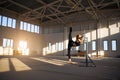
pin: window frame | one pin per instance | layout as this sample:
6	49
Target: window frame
115	45
14	22
10	22
105	49
95	46
28	27
7	43
4	23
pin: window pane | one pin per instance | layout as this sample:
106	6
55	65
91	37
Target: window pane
56	46
93	45
59	46
77	48
14	23
9	22
8	42
49	46
62	46
105	45
0	19
25	26
85	46
4	42
114	45
22	44
36	28
4	21
11	45
28	27
32	28
21	25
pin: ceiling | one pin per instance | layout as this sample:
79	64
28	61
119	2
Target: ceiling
49	10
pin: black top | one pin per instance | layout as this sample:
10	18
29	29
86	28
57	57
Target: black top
77	43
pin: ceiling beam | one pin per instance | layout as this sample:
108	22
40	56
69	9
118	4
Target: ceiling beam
101	1
93	9
42	7
2	2
96	8
5	10
117	2
20	5
27	9
82	7
106	4
87	9
57	17
62	6
56	10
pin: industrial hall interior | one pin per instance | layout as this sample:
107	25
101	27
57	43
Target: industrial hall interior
60	39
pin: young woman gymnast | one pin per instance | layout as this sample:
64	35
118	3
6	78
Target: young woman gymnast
71	43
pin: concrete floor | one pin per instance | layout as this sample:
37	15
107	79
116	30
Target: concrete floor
58	68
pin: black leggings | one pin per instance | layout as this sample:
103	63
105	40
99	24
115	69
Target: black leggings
71	43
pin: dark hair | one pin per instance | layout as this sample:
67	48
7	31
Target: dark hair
77	37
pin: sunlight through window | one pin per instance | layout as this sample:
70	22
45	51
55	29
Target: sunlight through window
56	62
23	48
114	45
18	65
105	45
4	21
93	45
4	65
9	22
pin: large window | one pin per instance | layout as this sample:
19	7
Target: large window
32	28
114	45
93	45
85	46
49	46
7	22
21	25
36	28
7	46
23	47
60	46
29	27
56	46
7	43
25	26
4	21
105	45
14	23
77	48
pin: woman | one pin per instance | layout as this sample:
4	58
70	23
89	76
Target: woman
71	43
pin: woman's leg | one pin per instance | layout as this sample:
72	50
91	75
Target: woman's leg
70	43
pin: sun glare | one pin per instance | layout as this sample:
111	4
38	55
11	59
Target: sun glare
23	48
